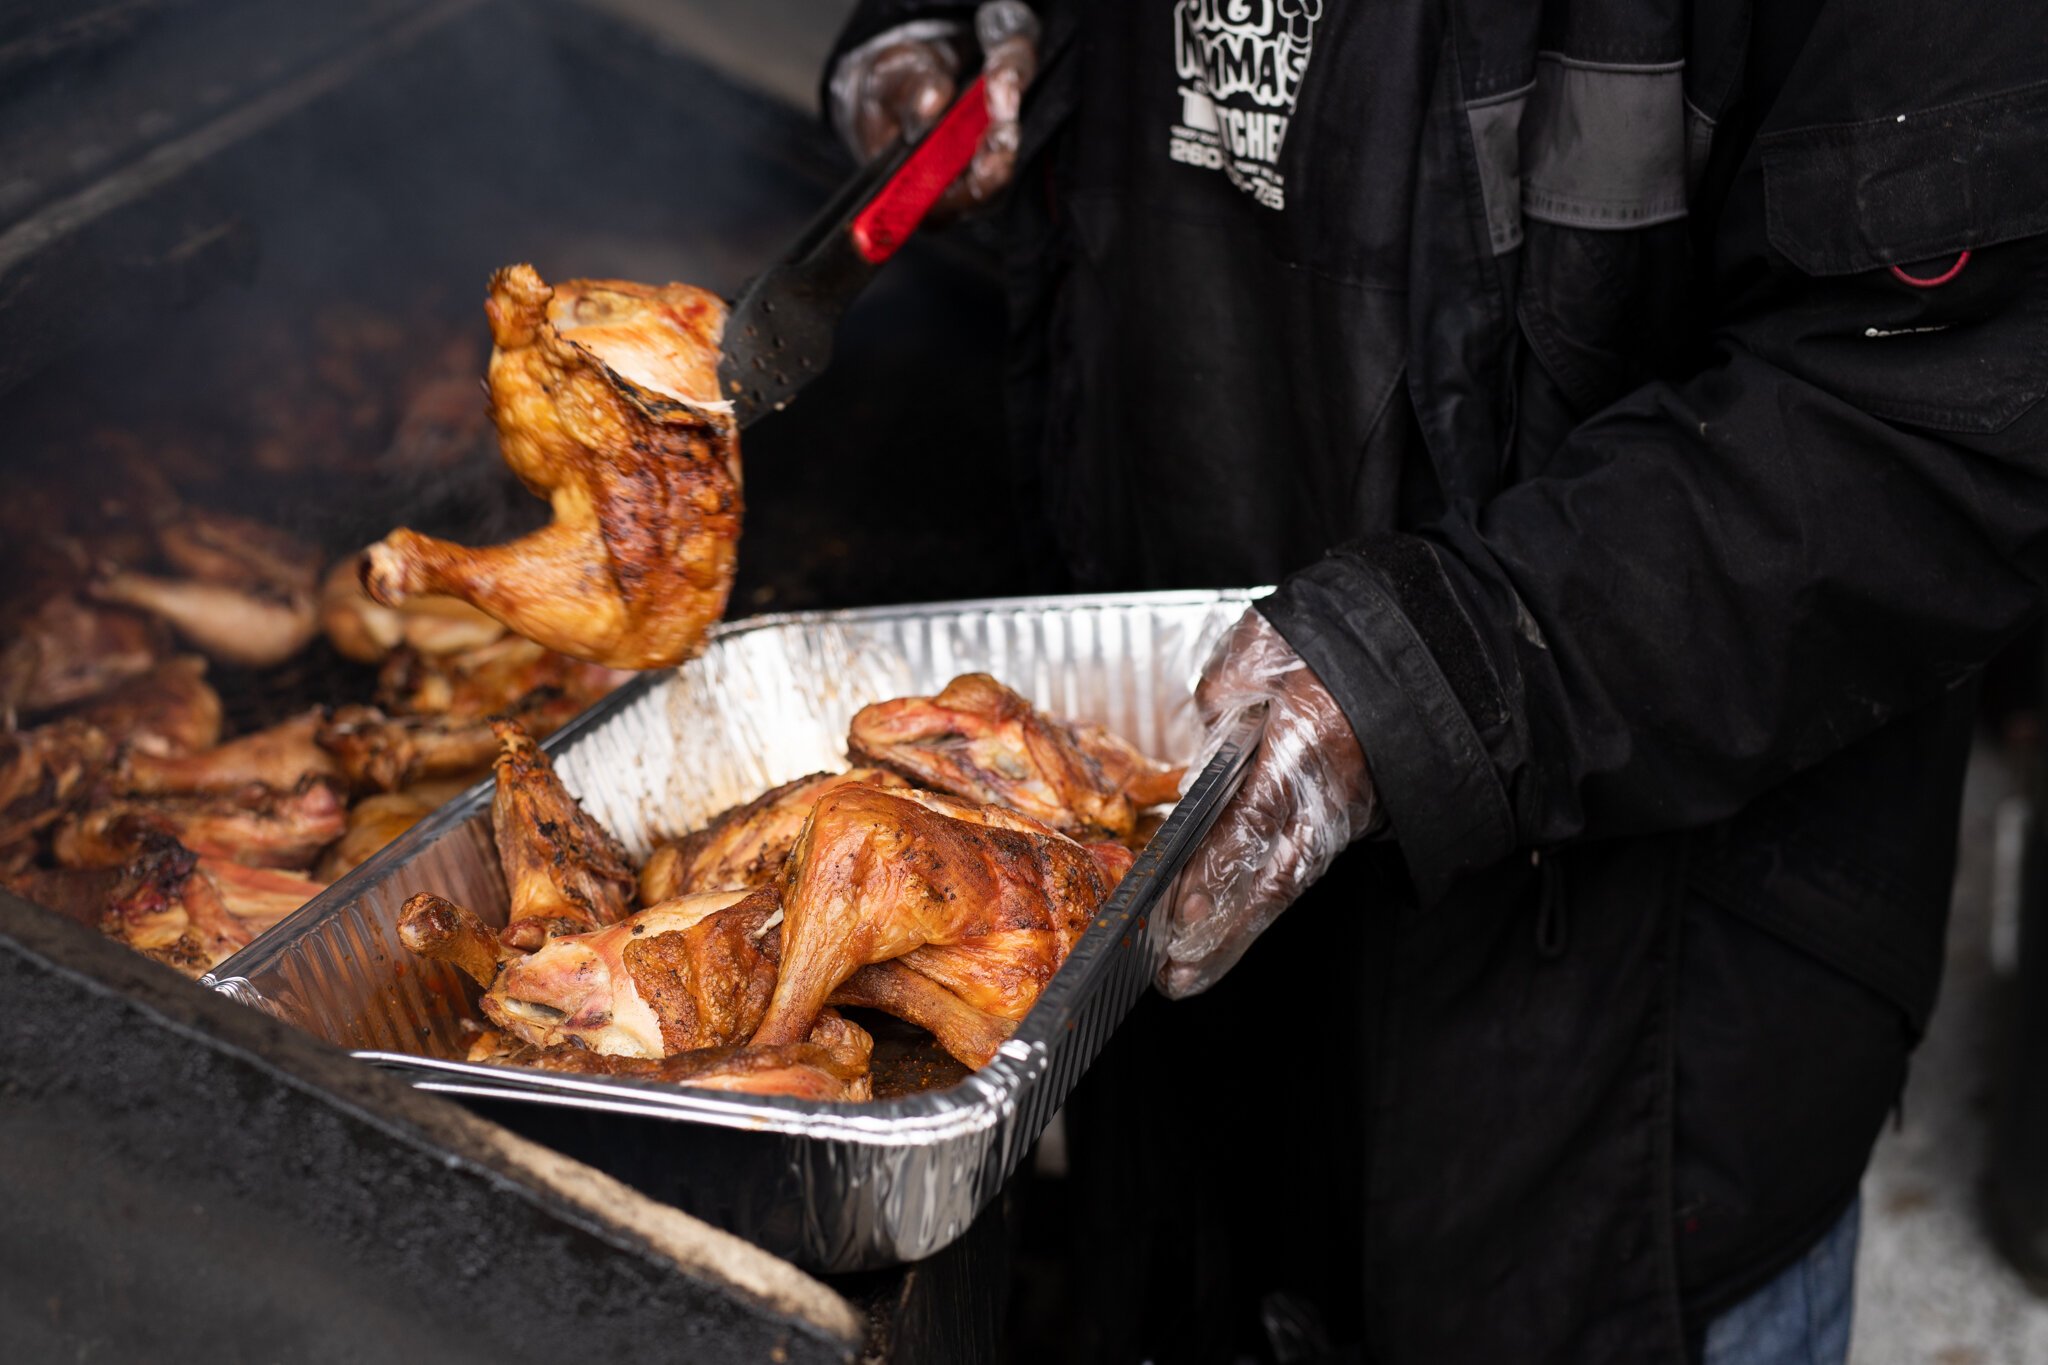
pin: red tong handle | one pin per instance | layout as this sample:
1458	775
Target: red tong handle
885	223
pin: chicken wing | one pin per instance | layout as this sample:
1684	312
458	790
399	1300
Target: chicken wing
280	758
945	990
565	872
980	740
877	875
746	845
606	399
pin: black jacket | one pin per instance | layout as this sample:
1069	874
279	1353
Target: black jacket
1639	406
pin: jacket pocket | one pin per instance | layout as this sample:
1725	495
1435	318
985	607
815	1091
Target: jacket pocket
1925	238
1913	187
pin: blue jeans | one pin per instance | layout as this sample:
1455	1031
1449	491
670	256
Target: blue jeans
1802	1316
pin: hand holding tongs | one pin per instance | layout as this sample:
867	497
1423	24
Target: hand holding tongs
778	336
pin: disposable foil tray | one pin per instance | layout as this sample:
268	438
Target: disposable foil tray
833	1186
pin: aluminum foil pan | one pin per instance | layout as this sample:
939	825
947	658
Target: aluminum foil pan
832	1186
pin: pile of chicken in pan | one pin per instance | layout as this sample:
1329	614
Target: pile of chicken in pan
942	880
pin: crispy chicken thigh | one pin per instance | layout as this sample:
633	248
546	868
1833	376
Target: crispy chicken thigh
980	740
988	900
747	845
606	398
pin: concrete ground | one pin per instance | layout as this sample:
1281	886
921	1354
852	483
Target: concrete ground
1930	1288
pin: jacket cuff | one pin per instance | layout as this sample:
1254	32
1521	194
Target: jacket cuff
1379	626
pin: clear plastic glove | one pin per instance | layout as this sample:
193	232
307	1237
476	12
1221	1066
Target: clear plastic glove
898	83
1306	795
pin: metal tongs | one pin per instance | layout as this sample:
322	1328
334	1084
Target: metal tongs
778	335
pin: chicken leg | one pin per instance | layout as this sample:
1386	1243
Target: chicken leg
880	874
605	394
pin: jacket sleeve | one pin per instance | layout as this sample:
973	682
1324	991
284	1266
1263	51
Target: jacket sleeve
1719	582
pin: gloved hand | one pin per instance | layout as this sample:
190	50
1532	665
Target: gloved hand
1306	795
898	84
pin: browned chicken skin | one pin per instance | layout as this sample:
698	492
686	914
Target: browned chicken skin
281	757
70	650
898	989
189	912
747	845
388	753
149	913
46	771
368	631
248	597
980	740
689	973
446	704
849	889
256	826
258	896
606	400
167	711
375	821
509	675
989	900
830	1064
565	872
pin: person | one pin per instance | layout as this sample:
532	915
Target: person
1638	407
